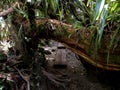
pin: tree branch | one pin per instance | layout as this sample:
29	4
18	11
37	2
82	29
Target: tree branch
6	12
9	10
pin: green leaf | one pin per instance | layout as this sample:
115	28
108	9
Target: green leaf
113	37
114	6
89	1
54	4
103	17
99	8
60	14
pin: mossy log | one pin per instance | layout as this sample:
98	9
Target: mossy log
66	34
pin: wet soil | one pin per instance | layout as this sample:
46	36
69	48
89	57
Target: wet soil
70	72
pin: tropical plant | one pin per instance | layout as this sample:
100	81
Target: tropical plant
101	17
95	22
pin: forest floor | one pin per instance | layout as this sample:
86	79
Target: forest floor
70	72
64	71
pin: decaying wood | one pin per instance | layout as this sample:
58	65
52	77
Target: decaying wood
80	48
70	43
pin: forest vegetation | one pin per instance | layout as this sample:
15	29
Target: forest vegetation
91	25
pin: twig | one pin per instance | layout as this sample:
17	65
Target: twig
6	12
28	84
9	10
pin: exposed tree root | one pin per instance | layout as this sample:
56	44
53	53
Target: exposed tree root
27	81
58	82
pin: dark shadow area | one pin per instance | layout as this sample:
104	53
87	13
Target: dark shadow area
59	66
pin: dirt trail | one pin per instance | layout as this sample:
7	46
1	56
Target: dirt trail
69	71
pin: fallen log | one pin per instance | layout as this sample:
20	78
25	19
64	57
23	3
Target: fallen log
60	31
65	33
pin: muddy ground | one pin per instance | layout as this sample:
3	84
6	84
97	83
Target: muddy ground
70	72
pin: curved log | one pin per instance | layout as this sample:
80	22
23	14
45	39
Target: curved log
66	34
81	47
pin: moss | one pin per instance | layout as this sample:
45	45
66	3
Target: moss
62	31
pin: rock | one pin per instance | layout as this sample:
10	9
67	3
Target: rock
60	46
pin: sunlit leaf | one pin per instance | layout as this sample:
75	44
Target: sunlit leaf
103	17
99	8
114	6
